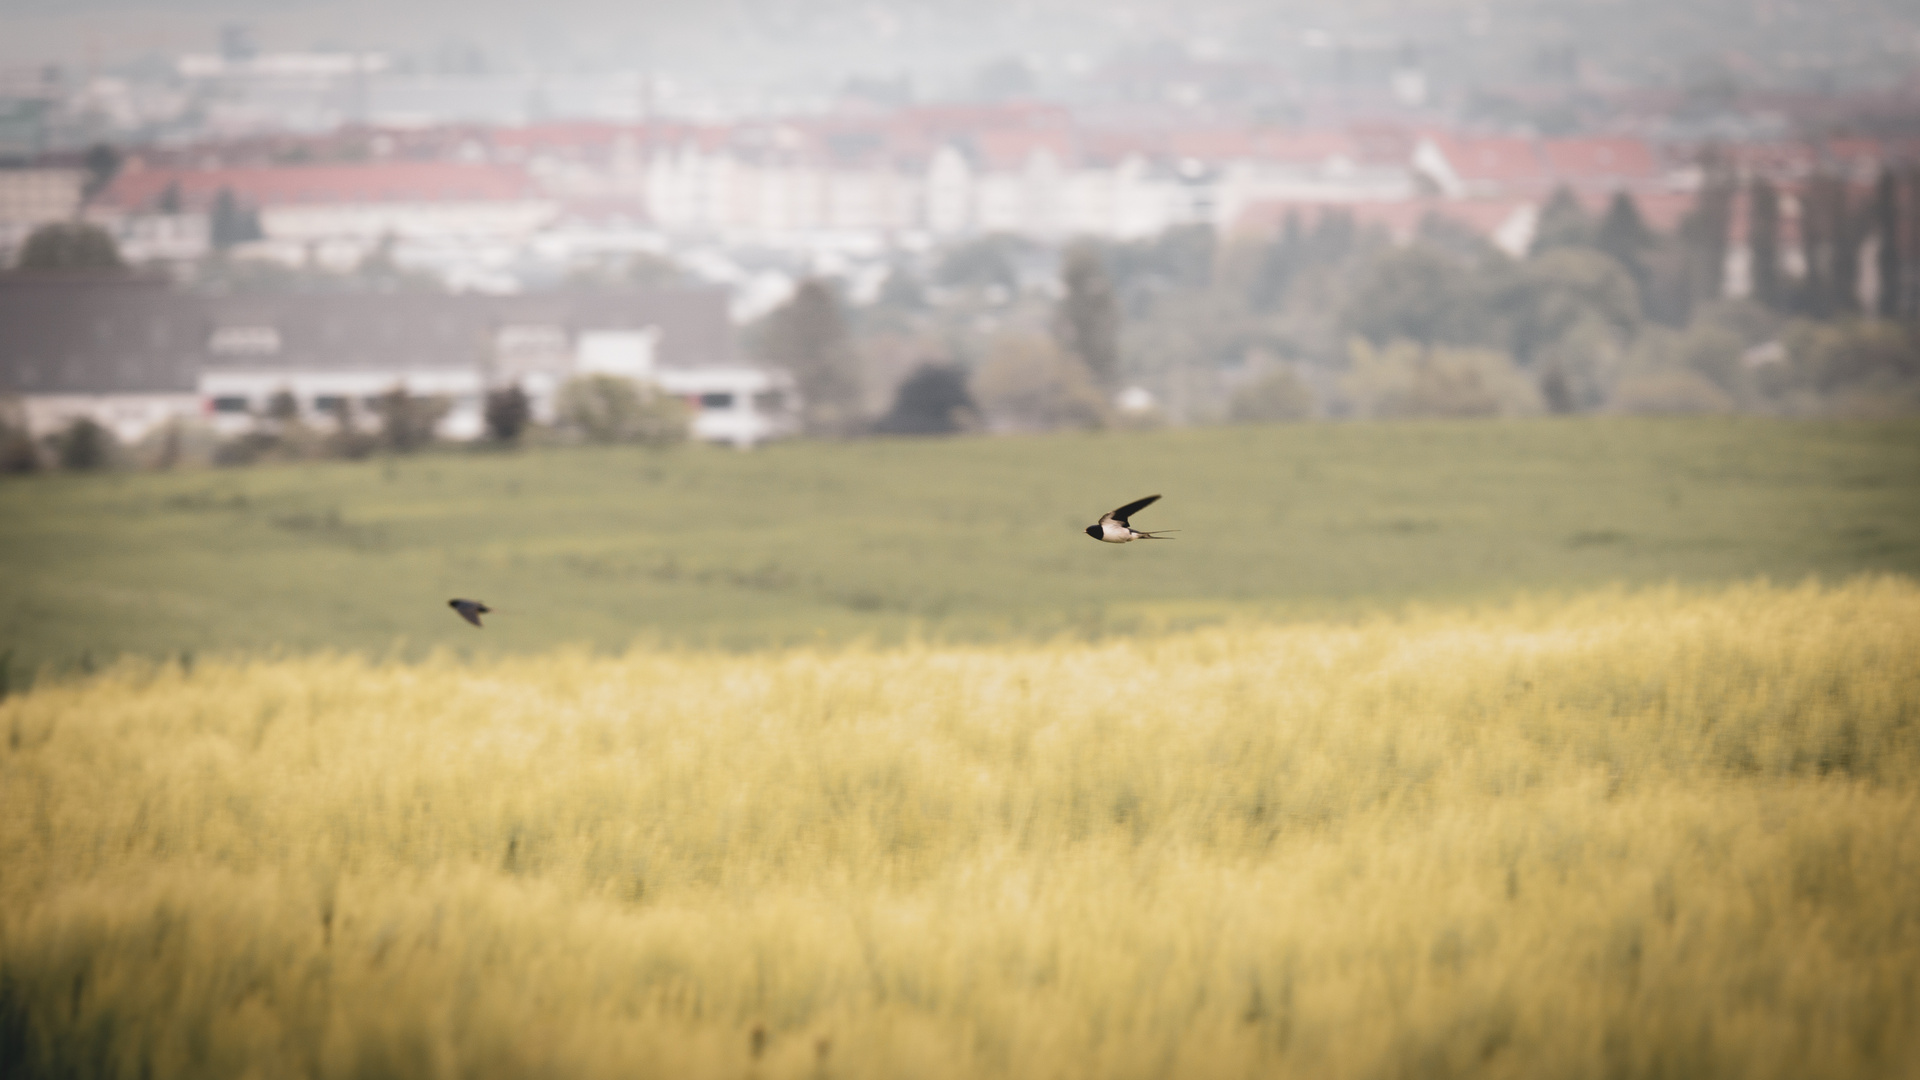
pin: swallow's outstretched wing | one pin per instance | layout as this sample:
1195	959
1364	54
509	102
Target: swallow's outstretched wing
470	610
1121	515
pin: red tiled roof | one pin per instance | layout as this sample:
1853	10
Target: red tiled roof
569	135
1519	165
409	181
1213	144
1012	149
1112	145
1493	159
1601	160
1308	146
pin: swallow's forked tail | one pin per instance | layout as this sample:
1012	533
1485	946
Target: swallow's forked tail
1157	534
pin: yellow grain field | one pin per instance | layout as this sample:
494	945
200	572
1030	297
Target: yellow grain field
1651	834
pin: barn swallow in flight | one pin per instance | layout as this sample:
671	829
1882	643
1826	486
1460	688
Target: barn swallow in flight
470	610
1113	528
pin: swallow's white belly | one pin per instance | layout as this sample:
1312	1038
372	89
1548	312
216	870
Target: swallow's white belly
1111	533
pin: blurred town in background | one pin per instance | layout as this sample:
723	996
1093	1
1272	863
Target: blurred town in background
923	219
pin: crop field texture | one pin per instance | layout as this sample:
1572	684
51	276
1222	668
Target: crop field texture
1657	832
965	540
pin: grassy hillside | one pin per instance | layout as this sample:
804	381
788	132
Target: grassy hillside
1652	835
962	540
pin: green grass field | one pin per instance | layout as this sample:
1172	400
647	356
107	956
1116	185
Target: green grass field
961	540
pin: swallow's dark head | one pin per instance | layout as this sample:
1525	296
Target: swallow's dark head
1093	531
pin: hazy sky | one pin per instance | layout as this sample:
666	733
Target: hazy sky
758	40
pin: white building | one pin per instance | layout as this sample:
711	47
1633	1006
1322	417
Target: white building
332	213
131	353
34	197
232	399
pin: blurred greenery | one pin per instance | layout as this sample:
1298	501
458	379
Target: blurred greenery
953	539
1602	315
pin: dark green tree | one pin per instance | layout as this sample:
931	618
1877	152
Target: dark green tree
1563	223
1854	218
1186	254
808	337
407	422
84	445
1087	320
69	245
1420	294
1623	234
230	223
1703	241
283	406
17	452
932	401
1558	290
507	413
1278	263
1763	241
1334	237
1887	233
1909	245
1827	289
1181	258
102	163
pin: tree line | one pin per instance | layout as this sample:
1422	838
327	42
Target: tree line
1327	317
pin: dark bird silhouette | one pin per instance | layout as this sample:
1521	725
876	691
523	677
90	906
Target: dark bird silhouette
470	610
1113	527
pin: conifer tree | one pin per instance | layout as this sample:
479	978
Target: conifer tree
1886	230
1563	223
1703	241
1623	234
229	223
808	336
1087	322
1763	241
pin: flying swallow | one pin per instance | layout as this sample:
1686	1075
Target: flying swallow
1113	527
470	610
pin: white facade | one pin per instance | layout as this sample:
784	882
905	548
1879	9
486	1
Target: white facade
233	398
129	416
694	188
735	405
739	406
34	197
625	353
169	237
473	218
